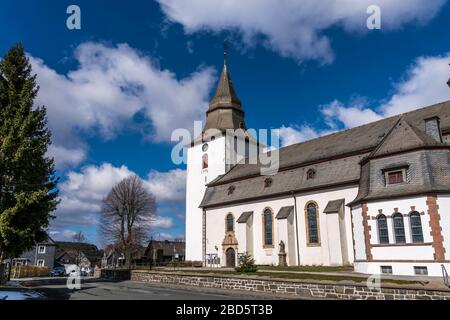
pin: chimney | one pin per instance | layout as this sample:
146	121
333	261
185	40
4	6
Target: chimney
433	128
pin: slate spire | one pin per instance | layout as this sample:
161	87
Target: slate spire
225	108
225	95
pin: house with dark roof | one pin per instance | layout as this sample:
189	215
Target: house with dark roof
84	255
376	196
43	254
161	252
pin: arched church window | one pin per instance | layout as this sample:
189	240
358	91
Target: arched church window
268	227
205	161
416	227
229	223
399	228
383	234
312	222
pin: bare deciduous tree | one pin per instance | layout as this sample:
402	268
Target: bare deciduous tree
127	213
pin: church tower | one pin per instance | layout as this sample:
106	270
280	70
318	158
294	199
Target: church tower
210	156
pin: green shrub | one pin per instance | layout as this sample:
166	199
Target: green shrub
246	264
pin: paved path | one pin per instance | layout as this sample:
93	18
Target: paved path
129	290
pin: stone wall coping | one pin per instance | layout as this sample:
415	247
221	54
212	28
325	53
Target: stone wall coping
278	280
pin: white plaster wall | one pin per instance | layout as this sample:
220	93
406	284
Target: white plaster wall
249	235
215	229
444	212
358	233
291	246
282	231
241	234
400	252
403	253
320	255
195	190
400	268
221	156
334	239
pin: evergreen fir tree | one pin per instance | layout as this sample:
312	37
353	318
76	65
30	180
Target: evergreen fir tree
28	192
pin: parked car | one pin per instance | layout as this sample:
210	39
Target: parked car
58	272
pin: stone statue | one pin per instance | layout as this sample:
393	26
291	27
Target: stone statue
282	255
282	247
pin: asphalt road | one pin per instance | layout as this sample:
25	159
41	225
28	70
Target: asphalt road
128	290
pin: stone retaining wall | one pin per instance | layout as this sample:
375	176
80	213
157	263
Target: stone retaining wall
292	288
115	274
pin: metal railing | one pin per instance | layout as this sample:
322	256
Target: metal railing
445	275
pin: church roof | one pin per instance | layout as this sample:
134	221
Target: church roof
335	158
403	136
225	108
339	144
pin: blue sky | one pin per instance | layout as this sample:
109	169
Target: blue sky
137	70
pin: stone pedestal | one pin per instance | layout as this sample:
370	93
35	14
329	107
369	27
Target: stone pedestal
282	260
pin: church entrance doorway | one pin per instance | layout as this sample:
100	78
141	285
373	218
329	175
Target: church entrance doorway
231	258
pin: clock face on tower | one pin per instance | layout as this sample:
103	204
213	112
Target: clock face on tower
205	147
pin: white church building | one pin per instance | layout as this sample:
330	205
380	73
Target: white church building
375	196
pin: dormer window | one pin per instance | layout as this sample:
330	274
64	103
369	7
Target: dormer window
268	182
395	176
231	189
311	174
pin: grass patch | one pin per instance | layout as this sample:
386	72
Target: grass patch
309	268
305	276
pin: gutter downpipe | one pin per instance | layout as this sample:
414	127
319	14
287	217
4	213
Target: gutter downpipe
296	227
204	238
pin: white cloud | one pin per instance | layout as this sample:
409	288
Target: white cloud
162	223
66	157
167	186
293	28
424	84
168	236
110	86
296	134
82	194
351	116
